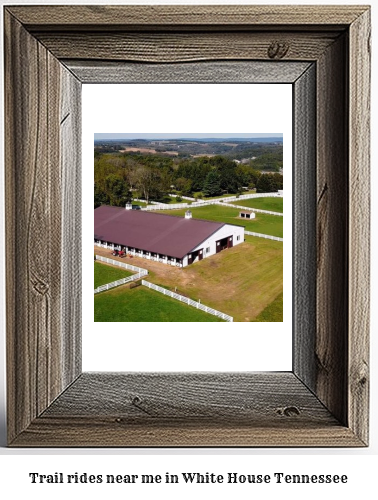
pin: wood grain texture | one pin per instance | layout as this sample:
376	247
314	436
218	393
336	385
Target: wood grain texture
304	227
199	72
197	409
99	432
184	15
359	225
33	195
70	160
33	227
180	47
332	230
323	402
243	397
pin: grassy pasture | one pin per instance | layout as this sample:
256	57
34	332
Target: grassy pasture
241	281
171	200
104	274
142	304
272	312
263	223
271	204
245	281
140	203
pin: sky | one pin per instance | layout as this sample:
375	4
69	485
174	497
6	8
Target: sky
182	136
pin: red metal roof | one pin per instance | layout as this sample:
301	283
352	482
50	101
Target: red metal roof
152	232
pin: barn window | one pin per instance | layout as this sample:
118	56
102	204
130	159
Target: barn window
238	238
208	250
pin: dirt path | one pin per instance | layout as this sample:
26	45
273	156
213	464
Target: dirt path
186	281
157	269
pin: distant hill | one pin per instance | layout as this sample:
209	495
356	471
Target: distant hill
198	139
236	139
241	149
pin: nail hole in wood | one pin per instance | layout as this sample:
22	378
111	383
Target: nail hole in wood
289	411
136	400
278	50
40	287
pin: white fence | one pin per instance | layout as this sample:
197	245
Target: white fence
217	201
158	203
177	206
240	207
250	196
182	196
122	281
266	236
188	301
113	262
162	206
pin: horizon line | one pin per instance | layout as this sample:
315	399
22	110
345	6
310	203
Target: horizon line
104	136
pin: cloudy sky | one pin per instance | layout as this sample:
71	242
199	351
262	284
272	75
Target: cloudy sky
182	136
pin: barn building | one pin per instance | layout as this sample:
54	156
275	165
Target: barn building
247	215
177	241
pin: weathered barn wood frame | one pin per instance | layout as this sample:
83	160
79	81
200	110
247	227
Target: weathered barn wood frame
324	52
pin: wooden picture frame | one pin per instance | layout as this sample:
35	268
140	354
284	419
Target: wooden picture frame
324	52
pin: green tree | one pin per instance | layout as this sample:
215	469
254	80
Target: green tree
212	185
278	179
229	181
116	190
195	170
148	182
247	175
100	197
269	183
183	185
268	161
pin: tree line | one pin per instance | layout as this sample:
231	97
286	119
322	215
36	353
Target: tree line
121	177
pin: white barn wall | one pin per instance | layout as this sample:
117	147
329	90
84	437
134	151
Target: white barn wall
226	230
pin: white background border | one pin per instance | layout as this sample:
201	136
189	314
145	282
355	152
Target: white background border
362	470
185	108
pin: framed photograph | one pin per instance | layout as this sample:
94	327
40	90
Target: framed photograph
244	284
323	52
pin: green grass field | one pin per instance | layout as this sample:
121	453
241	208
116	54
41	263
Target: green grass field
171	200
140	203
241	282
142	304
263	223
245	281
271	204
273	312
104	274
